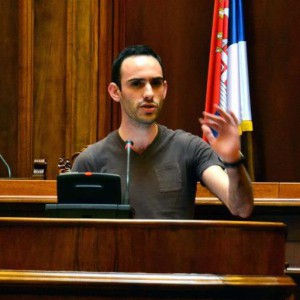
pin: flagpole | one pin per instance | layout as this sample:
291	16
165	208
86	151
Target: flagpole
247	150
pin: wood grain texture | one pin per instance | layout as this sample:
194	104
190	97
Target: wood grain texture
273	69
49	110
9	85
111	38
213	247
25	91
180	32
265	190
56	59
82	74
28	187
85	285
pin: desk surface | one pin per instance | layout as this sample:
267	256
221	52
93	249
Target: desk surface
143	286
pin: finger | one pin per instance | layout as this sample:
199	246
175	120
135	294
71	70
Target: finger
208	133
215	126
215	122
225	115
236	121
229	117
210	125
201	120
215	118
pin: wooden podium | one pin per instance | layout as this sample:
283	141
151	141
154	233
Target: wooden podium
207	247
118	259
139	259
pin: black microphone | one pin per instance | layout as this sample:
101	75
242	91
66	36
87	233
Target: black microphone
6	165
128	147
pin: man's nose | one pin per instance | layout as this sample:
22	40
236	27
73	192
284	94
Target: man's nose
148	91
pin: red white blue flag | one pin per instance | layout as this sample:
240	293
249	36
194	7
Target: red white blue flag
228	83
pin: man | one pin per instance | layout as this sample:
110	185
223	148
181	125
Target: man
166	164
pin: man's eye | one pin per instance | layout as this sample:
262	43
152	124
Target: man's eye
136	83
157	82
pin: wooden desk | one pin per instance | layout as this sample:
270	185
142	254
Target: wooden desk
139	259
207	247
28	191
274	202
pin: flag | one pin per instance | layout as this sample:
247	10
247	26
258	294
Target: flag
227	81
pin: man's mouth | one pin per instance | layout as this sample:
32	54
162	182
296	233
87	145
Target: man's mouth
149	108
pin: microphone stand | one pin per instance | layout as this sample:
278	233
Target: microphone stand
128	147
6	165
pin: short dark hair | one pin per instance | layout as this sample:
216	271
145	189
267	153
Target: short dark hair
133	50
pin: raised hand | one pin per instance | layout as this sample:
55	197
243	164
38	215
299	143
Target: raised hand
227	144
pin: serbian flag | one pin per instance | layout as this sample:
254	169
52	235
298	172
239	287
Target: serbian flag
227	83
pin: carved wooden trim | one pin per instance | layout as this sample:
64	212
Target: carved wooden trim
105	59
95	71
119	44
25	101
74	59
112	37
70	80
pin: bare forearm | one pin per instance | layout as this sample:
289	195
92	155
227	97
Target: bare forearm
240	193
235	188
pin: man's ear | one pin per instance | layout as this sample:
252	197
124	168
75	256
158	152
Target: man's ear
114	91
166	88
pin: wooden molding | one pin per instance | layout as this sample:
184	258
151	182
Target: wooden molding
262	190
25	101
112	37
265	194
82	74
99	278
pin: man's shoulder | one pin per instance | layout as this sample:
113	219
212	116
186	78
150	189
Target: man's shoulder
90	157
100	145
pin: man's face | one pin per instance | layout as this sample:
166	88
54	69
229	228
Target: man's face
143	89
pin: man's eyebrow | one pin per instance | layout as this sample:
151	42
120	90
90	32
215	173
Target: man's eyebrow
143	79
158	78
135	79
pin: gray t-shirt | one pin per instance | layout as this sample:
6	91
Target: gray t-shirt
163	178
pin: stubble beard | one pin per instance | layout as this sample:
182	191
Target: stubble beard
143	120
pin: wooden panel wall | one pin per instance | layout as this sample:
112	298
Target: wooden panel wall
273	31
8	82
180	31
49	69
53	101
56	60
66	77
